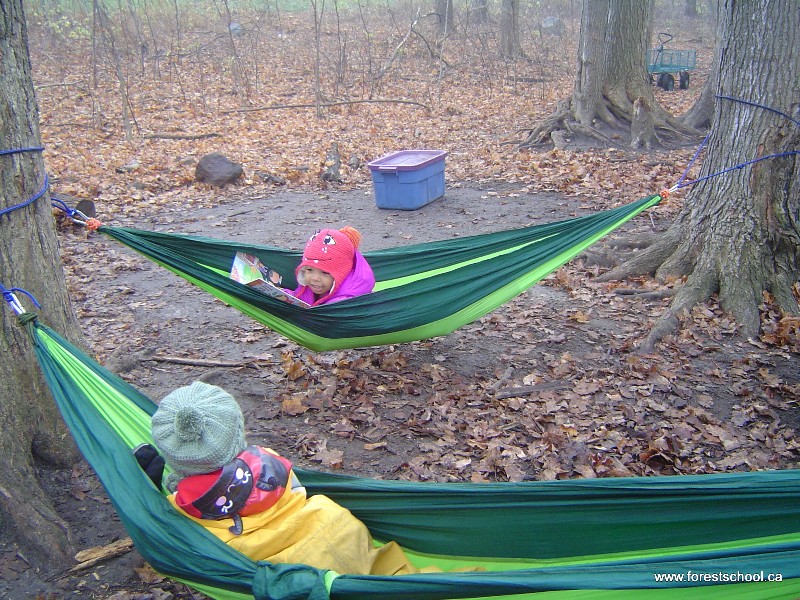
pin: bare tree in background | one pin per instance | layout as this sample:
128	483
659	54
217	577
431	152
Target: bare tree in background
701	113
509	29
445	14
480	11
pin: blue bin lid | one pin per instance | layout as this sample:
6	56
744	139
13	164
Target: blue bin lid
406	160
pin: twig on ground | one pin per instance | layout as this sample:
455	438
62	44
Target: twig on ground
92	556
179	136
202	362
646	294
527	390
327	105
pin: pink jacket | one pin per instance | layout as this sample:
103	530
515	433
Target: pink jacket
360	281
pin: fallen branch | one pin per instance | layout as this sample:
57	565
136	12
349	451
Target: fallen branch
43	86
92	556
521	79
646	294
178	136
327	105
501	380
202	362
70	124
527	390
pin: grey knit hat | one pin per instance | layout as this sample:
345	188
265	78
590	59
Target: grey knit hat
198	429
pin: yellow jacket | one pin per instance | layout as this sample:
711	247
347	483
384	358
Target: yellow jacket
313	531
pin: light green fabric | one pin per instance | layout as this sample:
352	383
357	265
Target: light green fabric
422	290
593	538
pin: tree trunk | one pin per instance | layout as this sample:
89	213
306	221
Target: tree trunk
445	16
738	234
30	426
611	76
626	76
509	29
480	9
701	113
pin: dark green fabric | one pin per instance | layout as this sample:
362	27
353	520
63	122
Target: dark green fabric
423	290
600	536
558	519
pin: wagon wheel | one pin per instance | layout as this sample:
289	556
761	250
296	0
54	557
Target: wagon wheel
684	80
666	82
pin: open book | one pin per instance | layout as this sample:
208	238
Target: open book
250	271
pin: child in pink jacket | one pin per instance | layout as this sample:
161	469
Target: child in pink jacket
332	268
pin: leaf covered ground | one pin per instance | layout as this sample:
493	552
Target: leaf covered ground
549	386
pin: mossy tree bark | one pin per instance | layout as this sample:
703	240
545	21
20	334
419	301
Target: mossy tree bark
31	429
738	234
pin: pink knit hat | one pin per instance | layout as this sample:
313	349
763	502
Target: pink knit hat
332	251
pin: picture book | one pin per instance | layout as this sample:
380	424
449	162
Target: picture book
250	271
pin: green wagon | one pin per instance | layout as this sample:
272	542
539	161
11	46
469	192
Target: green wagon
663	63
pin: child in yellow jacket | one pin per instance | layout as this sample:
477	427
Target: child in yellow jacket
248	496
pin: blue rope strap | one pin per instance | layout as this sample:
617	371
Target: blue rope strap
736	167
30	200
38	194
763	106
680	183
8	295
20	150
72	213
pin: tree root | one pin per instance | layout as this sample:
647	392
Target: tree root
619	117
541	134
666	325
591	132
698	288
643	263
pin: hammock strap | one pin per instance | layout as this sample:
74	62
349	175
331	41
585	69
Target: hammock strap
13	302
20	150
30	200
762	106
680	183
735	167
77	216
38	194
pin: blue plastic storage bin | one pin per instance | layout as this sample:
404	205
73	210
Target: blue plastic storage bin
408	179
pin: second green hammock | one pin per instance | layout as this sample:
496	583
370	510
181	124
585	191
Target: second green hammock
422	291
690	537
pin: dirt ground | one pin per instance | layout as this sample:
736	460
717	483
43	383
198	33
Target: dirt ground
566	347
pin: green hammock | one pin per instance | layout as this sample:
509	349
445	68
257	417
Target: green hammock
422	291
724	534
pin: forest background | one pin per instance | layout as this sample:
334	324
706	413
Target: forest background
131	96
